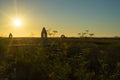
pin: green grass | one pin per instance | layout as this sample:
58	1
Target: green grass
60	59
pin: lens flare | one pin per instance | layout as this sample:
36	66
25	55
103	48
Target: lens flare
17	22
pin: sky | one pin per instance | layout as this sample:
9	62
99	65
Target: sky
68	17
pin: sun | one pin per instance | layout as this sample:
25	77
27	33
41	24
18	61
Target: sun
17	22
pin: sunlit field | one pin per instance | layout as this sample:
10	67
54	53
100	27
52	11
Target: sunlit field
60	59
59	39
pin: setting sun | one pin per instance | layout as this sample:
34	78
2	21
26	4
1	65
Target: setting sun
17	22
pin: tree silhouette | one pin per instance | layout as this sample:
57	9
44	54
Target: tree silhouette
44	33
86	33
10	35
83	34
79	34
62	36
91	35
50	34
54	32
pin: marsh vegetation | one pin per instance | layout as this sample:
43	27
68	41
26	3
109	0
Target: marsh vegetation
59	59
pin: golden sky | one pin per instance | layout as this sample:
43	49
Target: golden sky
68	17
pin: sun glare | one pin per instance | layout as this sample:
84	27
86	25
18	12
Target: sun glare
17	22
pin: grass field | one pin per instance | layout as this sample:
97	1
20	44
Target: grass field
60	59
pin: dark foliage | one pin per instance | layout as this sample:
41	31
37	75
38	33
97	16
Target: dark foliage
59	59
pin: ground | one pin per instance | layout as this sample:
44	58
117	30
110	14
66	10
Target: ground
60	58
